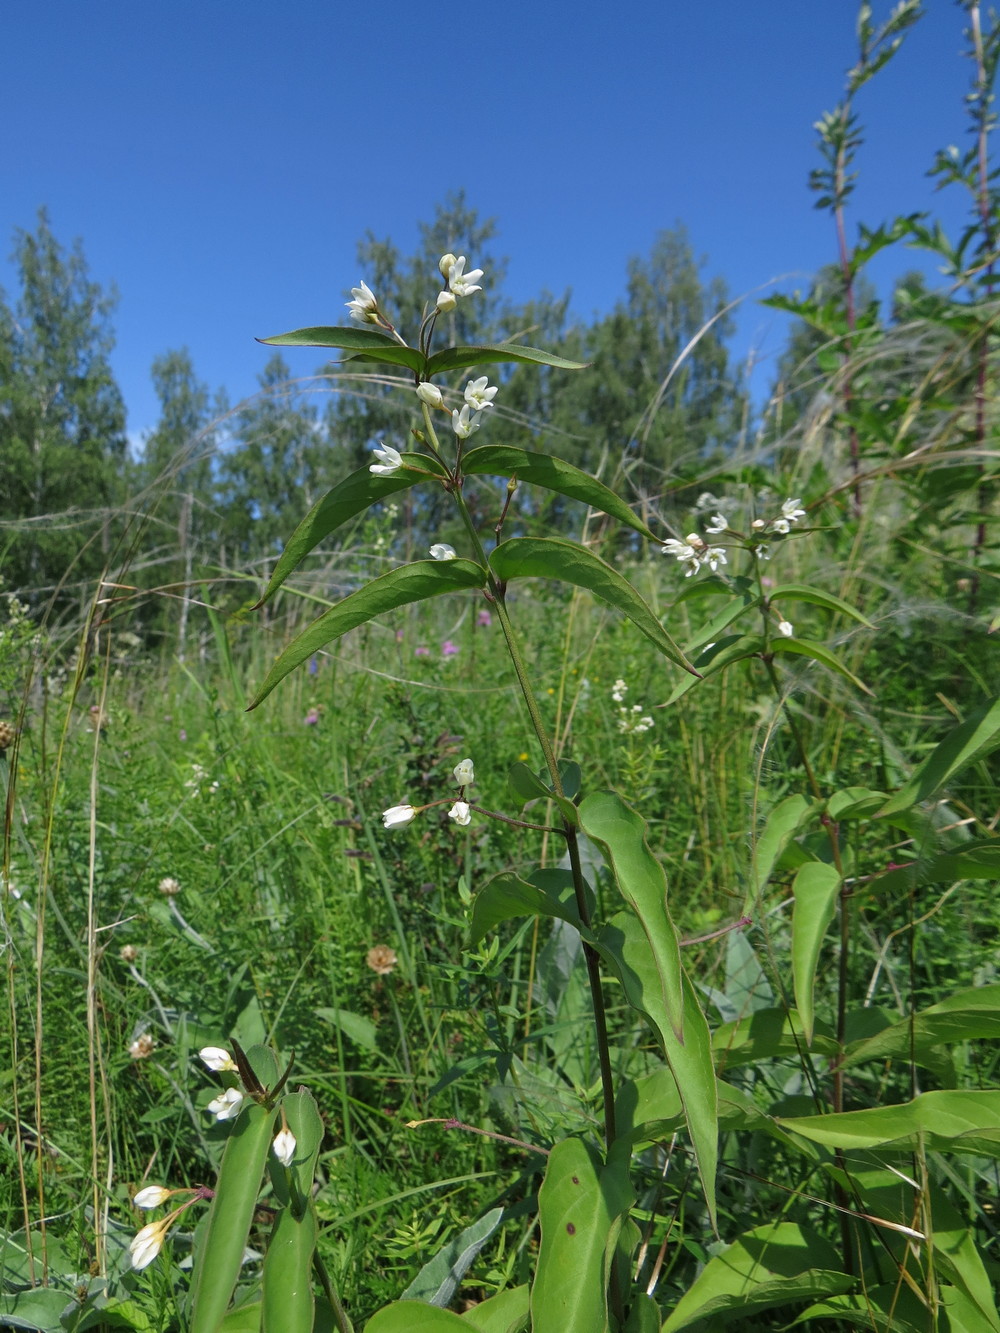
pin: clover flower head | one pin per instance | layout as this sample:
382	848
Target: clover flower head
389	460
218	1059
460	282
381	959
398	816
786	628
460	813
146	1244
128	953
169	887
449	649
143	1047
421	650
465	422
792	510
465	773
479	394
430	394
227	1105
363	305
284	1146
716	524
442	551
152	1196
484	619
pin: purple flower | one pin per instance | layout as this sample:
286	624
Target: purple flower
311	718
449	649
484	618
313	666
399	636
182	735
421	651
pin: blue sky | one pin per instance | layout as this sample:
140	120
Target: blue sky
221	160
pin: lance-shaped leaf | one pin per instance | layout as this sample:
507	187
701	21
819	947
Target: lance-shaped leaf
977	736
801	592
551	558
504	460
807	648
964	1016
409	583
732	648
544	893
950	1121
815	890
346	500
458	358
367	344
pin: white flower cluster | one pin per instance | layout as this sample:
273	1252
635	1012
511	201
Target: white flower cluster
398	816
631	721
693	553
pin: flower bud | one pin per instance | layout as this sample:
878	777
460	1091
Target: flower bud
430	394
445	264
284	1146
465	773
460	813
146	1244
446	301
217	1059
152	1196
398	816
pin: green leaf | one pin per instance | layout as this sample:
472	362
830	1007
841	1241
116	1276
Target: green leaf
784	821
409	583
854	803
40	1308
623	944
894	1307
967	1015
360	1030
952	1121
525	785
415	1317
977	736
581	1207
732	648
551	558
801	592
507	896
348	498
767	1034
814	889
620	833
818	653
644	1316
438	1280
957	1255
503	460
711	632
366	344
458	358
506	1312
765	1269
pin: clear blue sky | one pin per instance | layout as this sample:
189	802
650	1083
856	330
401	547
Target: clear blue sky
220	160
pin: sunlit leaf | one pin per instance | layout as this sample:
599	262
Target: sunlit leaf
977	736
800	592
814	890
368	344
548	892
732	648
949	1121
409	583
964	1016
818	653
458	358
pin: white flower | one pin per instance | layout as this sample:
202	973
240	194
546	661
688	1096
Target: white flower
460	282
146	1244
430	394
792	510
227	1105
389	460
716	524
446	302
152	1196
284	1146
758	524
619	690
685	553
444	264
217	1059
762	551
781	525
364	305
466	422
465	773
713	556
459	812
479	395
442	551
785	628
398	816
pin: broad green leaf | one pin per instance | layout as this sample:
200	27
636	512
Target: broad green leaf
458	358
581	1206
620	833
526	785
784	821
854	803
360	1030
957	1255
415	1317
368	344
767	1268
644	1316
649	1109
348	498
977	736
39	1308
732	648
506	1312
712	631
438	1280
818	653
894	1307
624	946
951	1121
963	1016
409	583
801	592
814	889
767	1034
552	558
507	896
503	460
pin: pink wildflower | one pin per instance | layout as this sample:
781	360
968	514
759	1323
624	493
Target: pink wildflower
449	649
